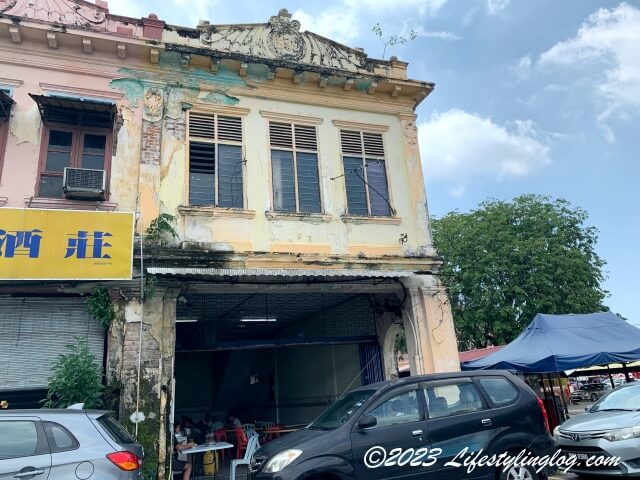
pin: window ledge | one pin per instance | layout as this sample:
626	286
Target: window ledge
361	219
303	217
65	204
216	212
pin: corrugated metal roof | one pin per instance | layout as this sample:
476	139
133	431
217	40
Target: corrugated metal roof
278	272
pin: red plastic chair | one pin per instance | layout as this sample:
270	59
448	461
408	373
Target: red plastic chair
221	436
242	440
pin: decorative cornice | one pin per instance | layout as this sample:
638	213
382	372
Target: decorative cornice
10	82
285	117
369	127
86	92
297	216
215	212
223	109
357	219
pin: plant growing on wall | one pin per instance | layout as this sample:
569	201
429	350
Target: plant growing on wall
392	39
100	307
161	230
75	378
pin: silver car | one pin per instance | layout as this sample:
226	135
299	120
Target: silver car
57	444
610	428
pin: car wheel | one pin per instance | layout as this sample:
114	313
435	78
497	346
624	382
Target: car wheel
594	397
519	473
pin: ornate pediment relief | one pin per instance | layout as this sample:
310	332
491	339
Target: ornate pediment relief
76	13
281	39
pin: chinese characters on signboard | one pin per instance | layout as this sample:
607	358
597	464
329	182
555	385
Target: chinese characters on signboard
57	244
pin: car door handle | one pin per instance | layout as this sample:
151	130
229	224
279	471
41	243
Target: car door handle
30	473
416	433
487	422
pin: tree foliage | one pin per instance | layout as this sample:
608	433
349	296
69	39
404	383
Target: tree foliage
507	261
75	378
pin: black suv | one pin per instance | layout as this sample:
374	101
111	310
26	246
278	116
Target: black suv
414	427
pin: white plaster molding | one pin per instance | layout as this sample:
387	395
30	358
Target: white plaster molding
194	211
286	117
10	82
222	109
357	219
299	216
367	127
107	94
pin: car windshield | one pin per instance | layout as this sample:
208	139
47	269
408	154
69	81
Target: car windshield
626	398
341	411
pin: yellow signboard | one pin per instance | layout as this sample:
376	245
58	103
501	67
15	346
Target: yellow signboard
65	245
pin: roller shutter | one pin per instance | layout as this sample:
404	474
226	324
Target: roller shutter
34	331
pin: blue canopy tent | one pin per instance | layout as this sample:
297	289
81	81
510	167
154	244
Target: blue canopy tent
554	343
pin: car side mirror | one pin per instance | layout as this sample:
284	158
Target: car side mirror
367	421
587	409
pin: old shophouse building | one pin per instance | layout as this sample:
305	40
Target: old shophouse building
291	166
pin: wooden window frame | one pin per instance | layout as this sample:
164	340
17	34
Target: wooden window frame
216	142
77	140
364	157
294	151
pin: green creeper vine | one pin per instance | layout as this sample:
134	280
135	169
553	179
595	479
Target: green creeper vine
100	307
161	230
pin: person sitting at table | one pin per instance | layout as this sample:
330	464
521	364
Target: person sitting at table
216	424
180	463
233	421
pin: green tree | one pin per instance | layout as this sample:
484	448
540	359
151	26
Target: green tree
507	261
75	378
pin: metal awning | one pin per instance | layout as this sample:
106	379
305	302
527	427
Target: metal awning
76	111
5	105
279	272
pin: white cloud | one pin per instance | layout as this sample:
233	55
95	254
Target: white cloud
336	23
460	145
457	192
522	69
608	38
423	7
494	7
442	35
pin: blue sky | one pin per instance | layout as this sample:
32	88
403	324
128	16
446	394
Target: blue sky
531	97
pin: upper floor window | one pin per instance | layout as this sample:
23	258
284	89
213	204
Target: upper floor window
75	156
215	160
294	167
365	173
6	103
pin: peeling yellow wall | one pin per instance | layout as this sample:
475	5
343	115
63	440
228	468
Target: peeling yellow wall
329	234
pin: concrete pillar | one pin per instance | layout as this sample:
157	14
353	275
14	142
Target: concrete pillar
156	374
431	338
388	328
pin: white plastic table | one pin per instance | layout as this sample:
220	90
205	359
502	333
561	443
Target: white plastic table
206	447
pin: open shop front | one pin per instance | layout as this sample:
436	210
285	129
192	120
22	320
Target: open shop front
271	358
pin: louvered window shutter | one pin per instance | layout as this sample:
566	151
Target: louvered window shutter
365	173
294	166
215	160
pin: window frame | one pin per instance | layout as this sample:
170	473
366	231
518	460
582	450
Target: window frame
215	142
42	446
364	157
444	383
78	133
489	399
53	445
294	150
391	394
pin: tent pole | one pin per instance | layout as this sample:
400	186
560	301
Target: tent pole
610	376
626	372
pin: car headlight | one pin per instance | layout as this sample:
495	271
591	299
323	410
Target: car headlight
281	460
623	434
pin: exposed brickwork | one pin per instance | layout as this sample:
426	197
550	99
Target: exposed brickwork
177	127
150	351
151	141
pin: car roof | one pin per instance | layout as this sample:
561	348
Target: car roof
52	411
387	384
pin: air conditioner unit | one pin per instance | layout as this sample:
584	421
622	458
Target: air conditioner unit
84	183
